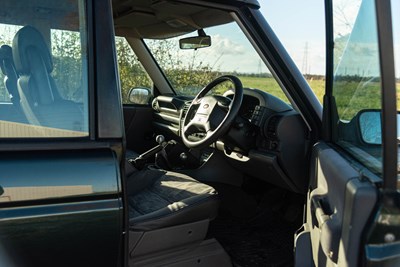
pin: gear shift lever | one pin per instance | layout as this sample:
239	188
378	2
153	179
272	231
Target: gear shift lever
158	151
161	160
160	139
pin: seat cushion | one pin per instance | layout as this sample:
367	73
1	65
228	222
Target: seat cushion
159	199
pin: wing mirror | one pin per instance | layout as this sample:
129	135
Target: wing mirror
196	42
140	96
370	126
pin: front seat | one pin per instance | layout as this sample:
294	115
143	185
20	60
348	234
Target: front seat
167	211
39	97
159	199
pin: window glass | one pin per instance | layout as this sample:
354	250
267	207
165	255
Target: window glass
131	71
43	79
7	33
68	68
301	29
396	38
189	70
357	87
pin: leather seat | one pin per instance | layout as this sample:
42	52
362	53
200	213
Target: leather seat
40	98
159	199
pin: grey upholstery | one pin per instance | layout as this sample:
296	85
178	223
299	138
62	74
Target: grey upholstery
40	99
159	199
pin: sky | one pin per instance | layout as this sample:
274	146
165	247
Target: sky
300	26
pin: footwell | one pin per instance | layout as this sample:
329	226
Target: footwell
266	238
261	241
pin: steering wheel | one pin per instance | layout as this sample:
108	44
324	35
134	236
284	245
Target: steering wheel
210	116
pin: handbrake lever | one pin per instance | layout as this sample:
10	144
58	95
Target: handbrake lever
140	161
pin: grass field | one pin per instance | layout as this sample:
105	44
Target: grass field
269	85
354	95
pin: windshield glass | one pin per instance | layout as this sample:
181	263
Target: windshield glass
189	70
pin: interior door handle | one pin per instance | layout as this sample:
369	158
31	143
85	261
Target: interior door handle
318	211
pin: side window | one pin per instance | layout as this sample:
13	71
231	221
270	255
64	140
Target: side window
132	74
43	59
68	66
396	38
356	86
7	32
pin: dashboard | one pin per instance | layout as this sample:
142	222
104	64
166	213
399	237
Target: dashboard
268	140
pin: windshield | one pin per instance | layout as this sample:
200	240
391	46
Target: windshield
189	70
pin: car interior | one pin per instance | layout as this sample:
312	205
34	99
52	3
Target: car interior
216	177
259	161
224	157
247	144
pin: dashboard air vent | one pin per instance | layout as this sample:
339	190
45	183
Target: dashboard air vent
270	130
155	105
185	109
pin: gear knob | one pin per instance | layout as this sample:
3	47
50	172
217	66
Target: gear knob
160	139
183	156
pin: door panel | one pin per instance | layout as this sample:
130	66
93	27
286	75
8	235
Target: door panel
339	204
139	128
61	208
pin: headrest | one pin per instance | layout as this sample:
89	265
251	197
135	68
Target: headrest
5	51
26	39
5	54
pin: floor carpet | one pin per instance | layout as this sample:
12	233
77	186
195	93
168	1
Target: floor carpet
265	238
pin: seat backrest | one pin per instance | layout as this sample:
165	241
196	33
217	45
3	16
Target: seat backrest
34	64
40	99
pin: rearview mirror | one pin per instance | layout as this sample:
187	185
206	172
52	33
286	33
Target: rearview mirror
371	128
195	42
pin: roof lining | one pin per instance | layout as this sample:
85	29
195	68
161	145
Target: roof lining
164	19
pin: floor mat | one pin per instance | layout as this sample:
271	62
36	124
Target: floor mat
265	240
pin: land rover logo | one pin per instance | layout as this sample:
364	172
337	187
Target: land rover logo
206	106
